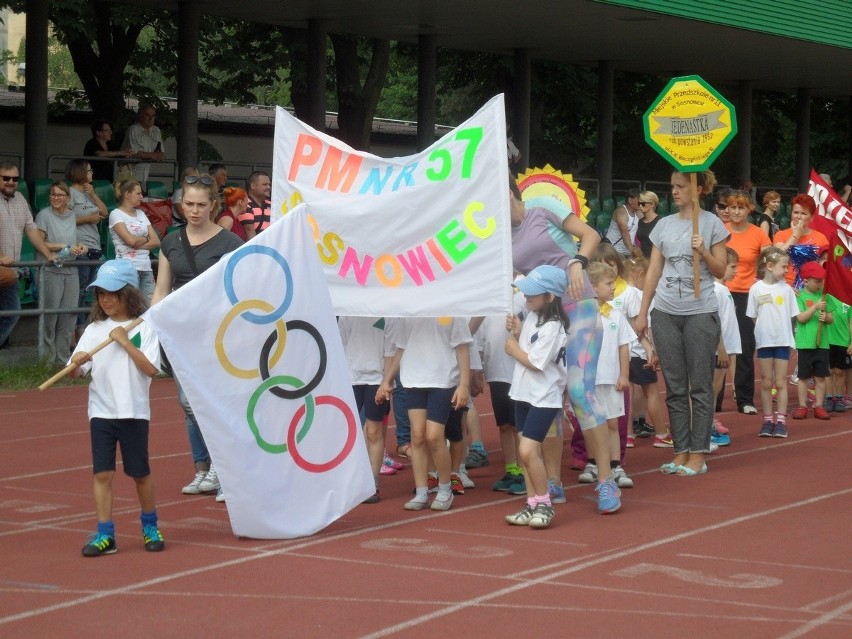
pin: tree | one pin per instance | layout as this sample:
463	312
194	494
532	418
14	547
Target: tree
357	102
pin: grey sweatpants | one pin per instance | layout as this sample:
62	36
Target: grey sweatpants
686	345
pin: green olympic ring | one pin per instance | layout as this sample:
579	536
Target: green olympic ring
266	385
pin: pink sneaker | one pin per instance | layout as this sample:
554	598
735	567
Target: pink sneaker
631	441
722	430
392	463
387	470
663	441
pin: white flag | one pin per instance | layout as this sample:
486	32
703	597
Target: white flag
423	235
256	347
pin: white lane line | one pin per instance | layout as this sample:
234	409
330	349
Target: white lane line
475	601
822	620
779	564
811	607
512	538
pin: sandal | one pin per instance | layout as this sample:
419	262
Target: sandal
686	471
670	469
404	451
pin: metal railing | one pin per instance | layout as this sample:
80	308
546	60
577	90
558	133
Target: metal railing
154	174
40	311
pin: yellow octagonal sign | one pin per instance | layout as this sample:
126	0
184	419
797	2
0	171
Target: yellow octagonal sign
690	123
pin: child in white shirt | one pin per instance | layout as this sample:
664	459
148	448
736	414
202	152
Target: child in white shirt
730	344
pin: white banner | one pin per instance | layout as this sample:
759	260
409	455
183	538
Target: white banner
256	347
423	235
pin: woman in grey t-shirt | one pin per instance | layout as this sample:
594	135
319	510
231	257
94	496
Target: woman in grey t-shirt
686	327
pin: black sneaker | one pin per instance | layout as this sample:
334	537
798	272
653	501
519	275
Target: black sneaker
97	545
153	539
642	429
372	499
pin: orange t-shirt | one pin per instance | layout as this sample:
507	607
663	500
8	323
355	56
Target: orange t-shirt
748	244
814	238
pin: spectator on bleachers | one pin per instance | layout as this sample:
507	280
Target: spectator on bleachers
58	227
625	221
16	219
648	203
257	215
103	146
235	203
766	220
132	234
219	173
88	210
722	204
145	141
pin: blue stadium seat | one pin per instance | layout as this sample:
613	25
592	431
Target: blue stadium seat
41	195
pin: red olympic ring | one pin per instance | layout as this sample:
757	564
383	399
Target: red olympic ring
304	464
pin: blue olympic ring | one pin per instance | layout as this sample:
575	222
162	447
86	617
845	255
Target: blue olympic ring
229	281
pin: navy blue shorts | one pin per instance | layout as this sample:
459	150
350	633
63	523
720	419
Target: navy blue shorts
503	405
453	429
365	400
839	358
638	374
534	422
774	352
130	434
436	401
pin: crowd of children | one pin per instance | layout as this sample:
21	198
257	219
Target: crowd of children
525	359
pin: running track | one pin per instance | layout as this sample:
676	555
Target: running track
758	547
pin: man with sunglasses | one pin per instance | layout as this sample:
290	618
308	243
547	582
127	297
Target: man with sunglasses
257	215
15	220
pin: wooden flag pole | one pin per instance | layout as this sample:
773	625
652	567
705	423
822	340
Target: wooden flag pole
696	209
100	346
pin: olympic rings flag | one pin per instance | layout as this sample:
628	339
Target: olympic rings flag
412	236
255	344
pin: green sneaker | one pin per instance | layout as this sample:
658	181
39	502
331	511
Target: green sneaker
97	545
153	539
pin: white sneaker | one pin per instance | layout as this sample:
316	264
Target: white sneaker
210	483
589	474
193	487
621	478
713	447
466	481
442	501
220	495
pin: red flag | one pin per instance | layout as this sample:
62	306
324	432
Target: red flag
838	270
834	220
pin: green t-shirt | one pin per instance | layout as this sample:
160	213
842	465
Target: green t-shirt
806	334
838	331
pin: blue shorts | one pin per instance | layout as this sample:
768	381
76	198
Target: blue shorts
774	352
436	401
130	434
534	422
365	400
503	405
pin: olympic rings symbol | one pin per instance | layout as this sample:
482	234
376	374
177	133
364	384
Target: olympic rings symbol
282	386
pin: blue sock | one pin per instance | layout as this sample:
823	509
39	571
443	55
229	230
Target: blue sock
149	519
478	446
106	528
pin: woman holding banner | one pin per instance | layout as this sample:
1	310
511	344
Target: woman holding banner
540	236
183	256
686	326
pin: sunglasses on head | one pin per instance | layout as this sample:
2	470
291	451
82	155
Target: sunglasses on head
10	178
644	203
206	180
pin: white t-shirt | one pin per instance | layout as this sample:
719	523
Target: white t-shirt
118	390
616	332
137	225
728	320
636	348
545	347
367	341
491	338
429	360
773	305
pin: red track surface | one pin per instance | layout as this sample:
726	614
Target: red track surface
758	547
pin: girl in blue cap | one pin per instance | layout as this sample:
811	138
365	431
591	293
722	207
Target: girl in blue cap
538	382
119	409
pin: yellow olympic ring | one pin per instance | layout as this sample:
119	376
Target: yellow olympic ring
238	309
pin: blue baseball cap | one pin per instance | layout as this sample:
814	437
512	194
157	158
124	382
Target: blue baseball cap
544	279
114	275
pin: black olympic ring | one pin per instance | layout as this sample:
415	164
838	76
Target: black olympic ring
315	380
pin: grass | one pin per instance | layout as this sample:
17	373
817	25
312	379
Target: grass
29	376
